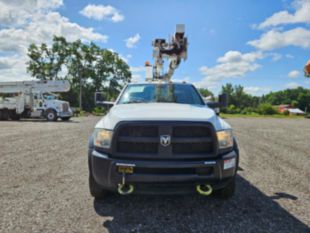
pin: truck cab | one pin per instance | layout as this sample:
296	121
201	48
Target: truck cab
49	106
161	137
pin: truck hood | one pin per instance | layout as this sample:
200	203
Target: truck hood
160	112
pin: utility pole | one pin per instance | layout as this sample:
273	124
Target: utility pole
80	70
80	104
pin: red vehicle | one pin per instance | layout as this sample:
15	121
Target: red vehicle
307	69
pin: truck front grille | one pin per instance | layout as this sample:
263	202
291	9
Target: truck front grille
65	107
142	140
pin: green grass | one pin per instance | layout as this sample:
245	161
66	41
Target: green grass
256	115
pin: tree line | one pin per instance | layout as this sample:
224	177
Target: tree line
87	67
240	102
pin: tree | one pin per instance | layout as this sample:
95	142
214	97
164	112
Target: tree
88	67
228	89
304	101
112	71
238	98
46	63
299	97
266	109
80	66
294	103
206	93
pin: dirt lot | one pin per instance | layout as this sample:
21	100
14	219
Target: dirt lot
44	184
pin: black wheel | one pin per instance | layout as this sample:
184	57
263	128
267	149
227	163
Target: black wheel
65	118
51	115
4	114
14	116
229	190
95	190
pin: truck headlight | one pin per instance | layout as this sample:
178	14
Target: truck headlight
225	139
103	138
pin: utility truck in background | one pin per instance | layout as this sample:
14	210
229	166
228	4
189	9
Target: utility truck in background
160	136
34	99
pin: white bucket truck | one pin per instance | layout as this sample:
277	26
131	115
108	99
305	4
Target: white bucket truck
34	99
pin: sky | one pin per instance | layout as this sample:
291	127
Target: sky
262	45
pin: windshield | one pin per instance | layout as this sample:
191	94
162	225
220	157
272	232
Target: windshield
161	93
49	96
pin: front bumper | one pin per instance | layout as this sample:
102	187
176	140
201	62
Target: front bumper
153	176
68	113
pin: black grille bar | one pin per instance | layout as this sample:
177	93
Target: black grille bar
138	139
191	140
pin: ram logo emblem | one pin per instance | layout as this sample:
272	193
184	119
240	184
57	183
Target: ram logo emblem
165	140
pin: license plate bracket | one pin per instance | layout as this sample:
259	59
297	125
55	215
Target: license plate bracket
125	168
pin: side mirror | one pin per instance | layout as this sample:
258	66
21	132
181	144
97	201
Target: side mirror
223	100
99	100
98	97
222	103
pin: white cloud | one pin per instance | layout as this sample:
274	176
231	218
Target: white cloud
38	26
293	74
237	57
136	78
275	56
137	69
41	29
301	15
7	62
278	37
257	91
14	12
233	64
290	56
292	85
274	39
14	69
47	4
125	58
138	72
101	12
132	41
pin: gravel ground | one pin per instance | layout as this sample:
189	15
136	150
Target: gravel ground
44	184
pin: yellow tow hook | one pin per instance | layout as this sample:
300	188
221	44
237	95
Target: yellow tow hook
123	188
204	189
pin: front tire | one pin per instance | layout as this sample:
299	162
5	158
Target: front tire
51	115
95	190
229	190
4	114
14	116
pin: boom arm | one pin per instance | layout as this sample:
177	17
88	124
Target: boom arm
35	86
174	51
